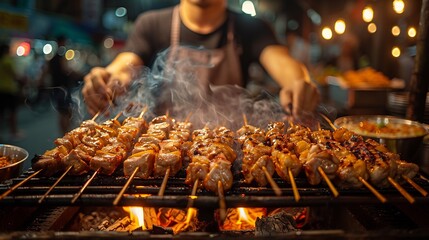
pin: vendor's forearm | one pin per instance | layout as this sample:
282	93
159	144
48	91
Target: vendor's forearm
281	66
124	63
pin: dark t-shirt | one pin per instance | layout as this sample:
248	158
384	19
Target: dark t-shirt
152	33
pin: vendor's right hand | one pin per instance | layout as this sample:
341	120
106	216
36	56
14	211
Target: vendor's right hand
96	91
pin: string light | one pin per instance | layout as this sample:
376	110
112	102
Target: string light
396	52
372	28
367	14
396	31
398	6
340	26
412	32
326	33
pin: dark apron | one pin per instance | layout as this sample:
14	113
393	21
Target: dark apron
194	70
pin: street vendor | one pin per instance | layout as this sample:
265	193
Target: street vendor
231	41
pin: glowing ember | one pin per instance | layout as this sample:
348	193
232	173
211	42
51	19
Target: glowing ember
242	218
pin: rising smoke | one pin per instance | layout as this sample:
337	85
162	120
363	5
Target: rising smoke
173	87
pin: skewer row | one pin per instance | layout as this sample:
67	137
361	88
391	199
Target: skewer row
112	129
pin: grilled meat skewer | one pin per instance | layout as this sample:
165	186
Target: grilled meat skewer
147	147
211	155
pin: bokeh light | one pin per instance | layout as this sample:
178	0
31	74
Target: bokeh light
372	28
340	26
396	31
367	14
47	49
396	52
69	54
398	6
108	42
412	32
248	8
326	33
23	49
121	12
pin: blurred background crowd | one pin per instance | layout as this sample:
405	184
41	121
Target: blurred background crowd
49	45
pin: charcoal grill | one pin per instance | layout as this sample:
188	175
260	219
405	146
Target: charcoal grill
355	213
103	190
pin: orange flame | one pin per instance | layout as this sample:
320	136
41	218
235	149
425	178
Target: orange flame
136	216
242	218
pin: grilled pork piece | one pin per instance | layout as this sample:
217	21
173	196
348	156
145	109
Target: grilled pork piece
112	154
256	155
153	153
197	169
257	172
78	139
169	157
144	160
220	170
285	160
250	171
171	152
50	161
143	156
380	162
407	169
108	158
319	157
211	157
282	152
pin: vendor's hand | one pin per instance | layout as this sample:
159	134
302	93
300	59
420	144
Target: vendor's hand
300	97
96	92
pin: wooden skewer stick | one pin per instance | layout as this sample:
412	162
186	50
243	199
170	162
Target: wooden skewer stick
244	119
191	211
127	184
328	181
415	185
143	112
95	116
117	116
273	184
188	117
193	194
164	183
222	204
78	194
55	184
328	121
401	190
294	188
5	194
373	190
125	187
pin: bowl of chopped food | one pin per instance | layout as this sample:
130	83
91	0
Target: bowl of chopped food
12	160
400	136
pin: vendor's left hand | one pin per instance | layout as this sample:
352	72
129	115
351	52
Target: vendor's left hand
301	97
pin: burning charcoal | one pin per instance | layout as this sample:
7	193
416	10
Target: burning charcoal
150	217
104	224
97	220
120	225
177	220
280	222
